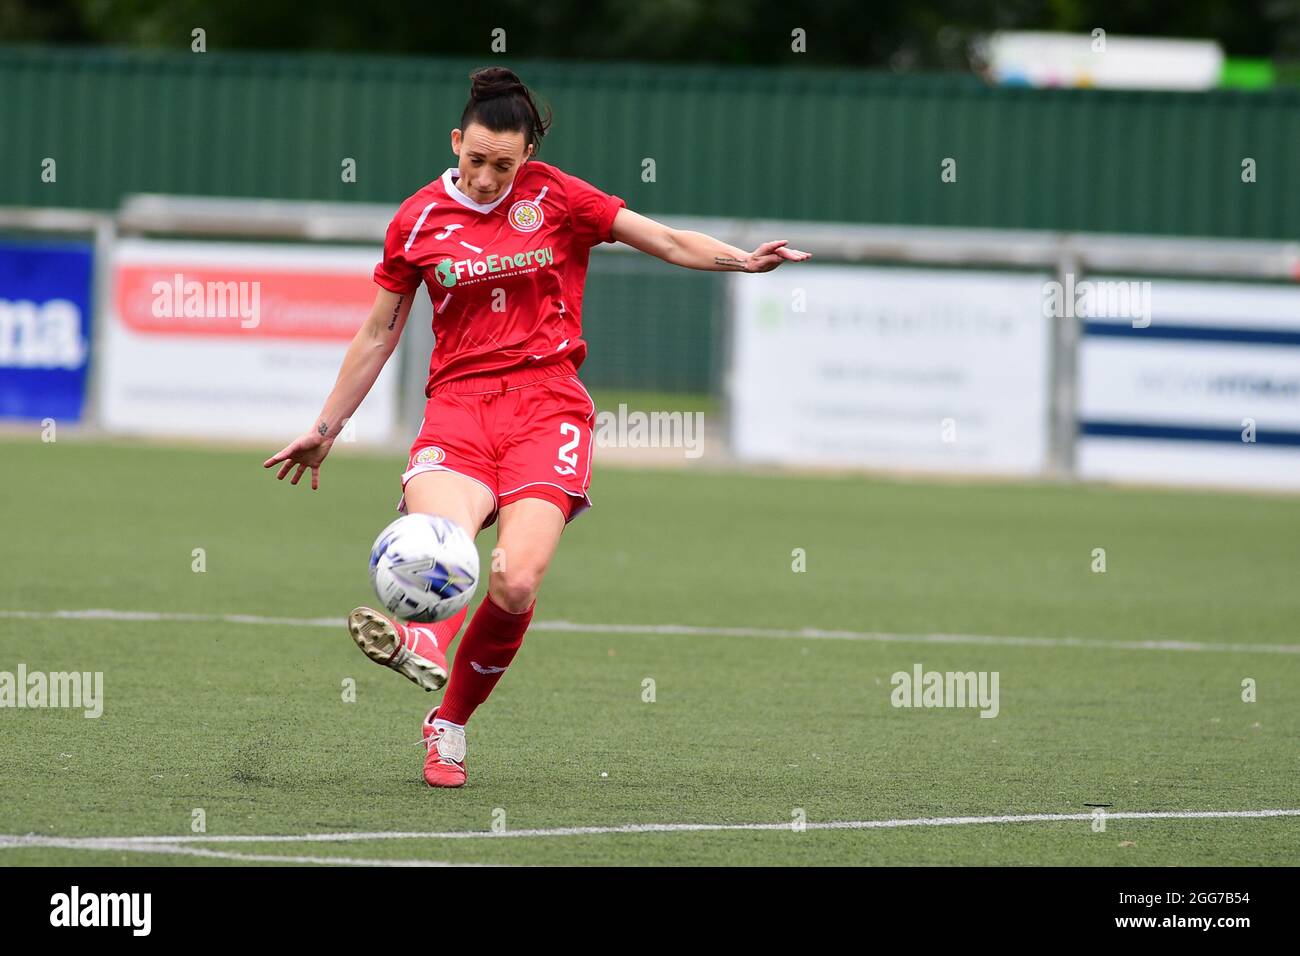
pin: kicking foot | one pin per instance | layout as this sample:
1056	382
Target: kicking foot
409	649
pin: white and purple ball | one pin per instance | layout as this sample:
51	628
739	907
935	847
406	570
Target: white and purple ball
424	568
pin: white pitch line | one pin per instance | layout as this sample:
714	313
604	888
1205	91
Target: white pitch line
107	614
807	633
133	845
95	843
819	634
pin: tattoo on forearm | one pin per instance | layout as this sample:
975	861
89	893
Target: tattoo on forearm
322	429
392	323
730	261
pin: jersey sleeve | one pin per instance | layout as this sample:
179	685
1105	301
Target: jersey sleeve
395	273
591	212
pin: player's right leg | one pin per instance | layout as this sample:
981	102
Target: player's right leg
419	651
462	499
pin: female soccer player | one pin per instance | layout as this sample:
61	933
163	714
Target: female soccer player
501	242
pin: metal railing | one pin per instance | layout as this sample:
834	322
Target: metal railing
1062	254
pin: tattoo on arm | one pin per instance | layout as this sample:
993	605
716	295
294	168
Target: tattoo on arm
322	429
730	262
392	323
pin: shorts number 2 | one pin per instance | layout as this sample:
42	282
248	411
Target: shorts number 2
566	453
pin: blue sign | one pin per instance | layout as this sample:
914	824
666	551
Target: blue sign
45	320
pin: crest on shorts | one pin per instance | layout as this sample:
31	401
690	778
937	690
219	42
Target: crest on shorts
526	215
430	456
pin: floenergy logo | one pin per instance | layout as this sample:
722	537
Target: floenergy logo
451	271
443	271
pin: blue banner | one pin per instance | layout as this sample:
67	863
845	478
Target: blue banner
45	321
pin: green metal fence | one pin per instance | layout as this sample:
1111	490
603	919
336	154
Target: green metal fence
651	326
750	143
852	147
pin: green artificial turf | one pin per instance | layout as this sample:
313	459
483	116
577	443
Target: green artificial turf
248	723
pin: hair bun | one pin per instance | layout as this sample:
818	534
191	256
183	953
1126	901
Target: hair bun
499	100
495	81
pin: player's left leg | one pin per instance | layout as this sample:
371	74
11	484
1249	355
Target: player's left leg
528	534
544	433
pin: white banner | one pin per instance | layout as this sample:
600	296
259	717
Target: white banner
235	341
887	367
1208	393
1102	60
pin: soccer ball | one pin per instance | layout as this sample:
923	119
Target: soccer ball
424	568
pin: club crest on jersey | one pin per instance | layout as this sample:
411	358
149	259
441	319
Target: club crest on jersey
526	215
432	455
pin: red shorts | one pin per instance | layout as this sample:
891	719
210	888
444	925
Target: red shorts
526	433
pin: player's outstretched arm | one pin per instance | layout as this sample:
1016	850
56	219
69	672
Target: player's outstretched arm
365	358
695	250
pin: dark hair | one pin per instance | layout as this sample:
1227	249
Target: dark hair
499	100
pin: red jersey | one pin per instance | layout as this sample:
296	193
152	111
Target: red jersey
505	277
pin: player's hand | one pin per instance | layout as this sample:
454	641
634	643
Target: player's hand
306	451
771	254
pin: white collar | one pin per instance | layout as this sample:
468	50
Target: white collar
449	184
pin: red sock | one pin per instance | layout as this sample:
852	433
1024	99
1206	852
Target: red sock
493	637
445	631
416	636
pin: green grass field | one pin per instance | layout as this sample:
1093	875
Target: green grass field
247	722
